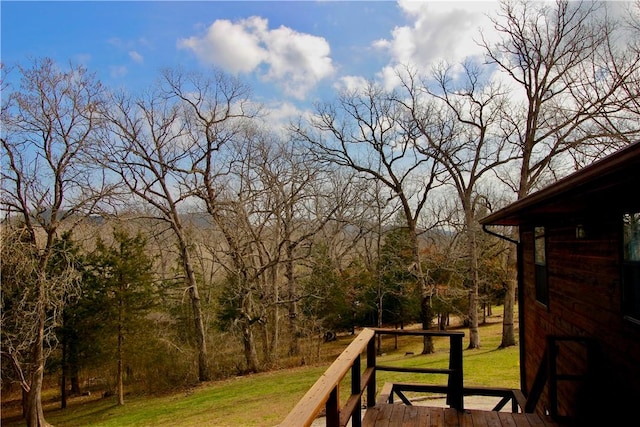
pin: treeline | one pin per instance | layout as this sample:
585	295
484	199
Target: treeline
178	235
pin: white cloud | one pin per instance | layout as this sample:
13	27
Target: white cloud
389	76
300	60
351	83
234	47
280	114
136	57
295	61
438	31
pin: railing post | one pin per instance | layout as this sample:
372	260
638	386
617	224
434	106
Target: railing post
333	408
455	396
356	388
553	349
371	363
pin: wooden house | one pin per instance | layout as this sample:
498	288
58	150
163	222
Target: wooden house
579	290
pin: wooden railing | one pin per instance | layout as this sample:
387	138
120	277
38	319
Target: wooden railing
548	372
325	393
454	388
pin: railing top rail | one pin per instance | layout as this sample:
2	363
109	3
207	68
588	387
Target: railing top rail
314	400
421	332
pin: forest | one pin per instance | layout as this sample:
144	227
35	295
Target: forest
158	239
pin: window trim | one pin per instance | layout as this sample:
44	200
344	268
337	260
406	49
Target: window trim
629	267
540	263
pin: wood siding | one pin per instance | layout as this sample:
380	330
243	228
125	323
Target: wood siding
584	281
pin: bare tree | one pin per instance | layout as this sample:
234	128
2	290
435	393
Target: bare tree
152	154
343	250
368	132
266	206
164	139
631	27
214	109
296	190
216	113
382	211
242	206
48	186
473	110
146	148
563	60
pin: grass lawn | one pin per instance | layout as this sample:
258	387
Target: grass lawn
265	399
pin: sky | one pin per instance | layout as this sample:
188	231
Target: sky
291	53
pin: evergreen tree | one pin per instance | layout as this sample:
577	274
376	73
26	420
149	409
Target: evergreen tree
332	297
397	292
119	279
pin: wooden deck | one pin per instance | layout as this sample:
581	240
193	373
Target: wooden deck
512	409
392	415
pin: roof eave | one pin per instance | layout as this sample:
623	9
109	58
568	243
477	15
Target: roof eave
511	215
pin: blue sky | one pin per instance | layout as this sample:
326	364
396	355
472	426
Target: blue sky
290	52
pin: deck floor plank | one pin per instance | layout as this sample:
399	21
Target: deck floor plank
437	417
479	419
398	415
451	417
384	416
424	418
411	417
535	420
465	419
493	419
509	420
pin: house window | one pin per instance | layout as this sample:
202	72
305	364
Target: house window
631	265
540	256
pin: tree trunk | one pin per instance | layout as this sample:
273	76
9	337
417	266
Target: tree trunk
204	374
508	329
294	344
275	322
65	372
426	309
34	412
250	353
380	310
426	313
74	375
69	365
120	386
275	335
474	335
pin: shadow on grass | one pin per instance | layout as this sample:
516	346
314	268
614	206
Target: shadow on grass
475	352
85	413
81	413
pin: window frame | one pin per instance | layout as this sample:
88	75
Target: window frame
540	265
630	268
